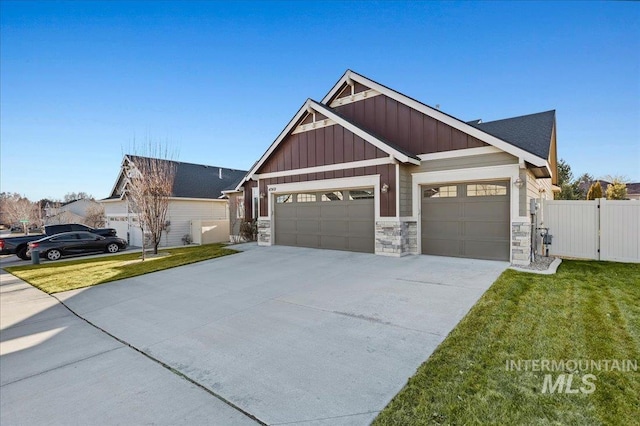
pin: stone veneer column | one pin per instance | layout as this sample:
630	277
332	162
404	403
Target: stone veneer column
396	238
264	232
520	243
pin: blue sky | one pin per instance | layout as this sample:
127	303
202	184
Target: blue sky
218	81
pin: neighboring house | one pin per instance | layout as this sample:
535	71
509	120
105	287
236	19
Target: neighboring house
633	191
369	169
77	211
196	199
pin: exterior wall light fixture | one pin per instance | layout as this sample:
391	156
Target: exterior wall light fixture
519	183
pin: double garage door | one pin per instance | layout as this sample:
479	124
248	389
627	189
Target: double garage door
466	220
338	220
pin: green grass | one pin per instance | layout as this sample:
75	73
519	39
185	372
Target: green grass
54	277
587	311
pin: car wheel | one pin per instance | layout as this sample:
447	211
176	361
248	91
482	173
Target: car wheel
22	254
53	254
113	248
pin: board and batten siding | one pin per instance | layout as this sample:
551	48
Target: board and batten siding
409	129
182	212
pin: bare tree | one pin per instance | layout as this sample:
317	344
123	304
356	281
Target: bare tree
149	188
95	216
18	209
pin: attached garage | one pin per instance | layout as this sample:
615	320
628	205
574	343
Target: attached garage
338	220
466	220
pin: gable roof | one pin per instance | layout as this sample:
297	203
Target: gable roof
530	132
529	138
310	104
193	180
525	152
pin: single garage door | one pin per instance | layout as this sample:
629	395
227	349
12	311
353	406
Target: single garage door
338	220
466	220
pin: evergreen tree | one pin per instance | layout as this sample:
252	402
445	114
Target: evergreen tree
595	191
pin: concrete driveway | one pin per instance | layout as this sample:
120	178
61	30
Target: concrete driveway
292	335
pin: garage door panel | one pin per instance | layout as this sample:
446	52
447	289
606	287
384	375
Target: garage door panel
331	224
333	242
360	209
334	227
491	210
307	227
360	227
441	247
493	250
306	210
441	229
440	209
287	239
489	230
462	220
333	210
361	244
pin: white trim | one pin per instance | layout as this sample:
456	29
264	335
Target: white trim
314	125
438	115
354	98
460	153
504	172
397	191
327	168
327	184
408	218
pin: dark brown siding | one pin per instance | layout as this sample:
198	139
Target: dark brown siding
248	200
320	147
409	129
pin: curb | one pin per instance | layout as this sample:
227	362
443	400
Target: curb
553	268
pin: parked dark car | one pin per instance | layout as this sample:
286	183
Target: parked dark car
19	245
74	243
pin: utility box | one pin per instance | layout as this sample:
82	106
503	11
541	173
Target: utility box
546	239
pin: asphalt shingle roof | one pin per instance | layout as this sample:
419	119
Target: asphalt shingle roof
201	181
531	133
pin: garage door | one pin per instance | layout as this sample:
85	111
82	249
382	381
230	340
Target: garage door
466	220
338	220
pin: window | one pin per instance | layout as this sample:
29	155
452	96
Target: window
441	192
361	194
285	198
332	196
486	189
306	198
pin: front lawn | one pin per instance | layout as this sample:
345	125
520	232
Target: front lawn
587	311
54	277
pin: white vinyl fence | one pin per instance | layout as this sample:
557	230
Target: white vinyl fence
596	229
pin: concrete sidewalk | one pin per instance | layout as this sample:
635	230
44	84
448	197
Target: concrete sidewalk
55	368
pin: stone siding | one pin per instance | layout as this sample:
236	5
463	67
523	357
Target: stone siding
520	243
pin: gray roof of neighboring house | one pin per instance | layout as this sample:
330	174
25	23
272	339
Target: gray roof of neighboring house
201	181
531	133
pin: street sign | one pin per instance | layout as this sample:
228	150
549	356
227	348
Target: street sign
24	221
